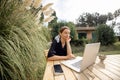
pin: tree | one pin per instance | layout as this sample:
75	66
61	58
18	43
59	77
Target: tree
74	35
105	35
110	16
91	19
102	19
116	13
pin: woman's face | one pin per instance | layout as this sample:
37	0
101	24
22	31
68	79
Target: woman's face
65	34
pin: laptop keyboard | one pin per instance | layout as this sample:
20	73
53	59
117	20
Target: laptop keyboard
77	64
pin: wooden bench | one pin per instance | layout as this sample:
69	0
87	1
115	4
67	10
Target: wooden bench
109	70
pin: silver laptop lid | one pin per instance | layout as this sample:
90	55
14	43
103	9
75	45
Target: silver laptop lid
90	54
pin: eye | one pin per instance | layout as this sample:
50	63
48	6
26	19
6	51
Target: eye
66	33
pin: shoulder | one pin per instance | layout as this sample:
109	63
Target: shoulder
56	39
54	42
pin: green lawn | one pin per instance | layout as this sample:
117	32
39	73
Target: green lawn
108	50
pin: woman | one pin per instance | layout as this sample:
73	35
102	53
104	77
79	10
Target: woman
60	48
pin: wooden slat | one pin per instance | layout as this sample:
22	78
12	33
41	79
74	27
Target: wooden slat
114	59
101	75
111	65
48	74
117	57
106	72
59	77
90	75
68	73
112	62
109	69
112	68
80	76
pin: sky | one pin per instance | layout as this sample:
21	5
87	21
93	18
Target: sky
70	10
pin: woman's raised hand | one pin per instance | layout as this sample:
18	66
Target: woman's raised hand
68	39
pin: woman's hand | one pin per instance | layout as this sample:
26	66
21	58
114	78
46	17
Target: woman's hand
70	56
68	39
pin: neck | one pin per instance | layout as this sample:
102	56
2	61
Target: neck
62	41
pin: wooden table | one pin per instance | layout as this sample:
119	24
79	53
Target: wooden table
109	70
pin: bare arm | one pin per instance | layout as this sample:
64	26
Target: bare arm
55	57
69	50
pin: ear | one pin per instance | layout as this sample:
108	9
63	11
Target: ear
59	33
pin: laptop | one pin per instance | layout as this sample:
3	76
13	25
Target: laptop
81	63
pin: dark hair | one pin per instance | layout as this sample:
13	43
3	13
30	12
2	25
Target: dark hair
63	28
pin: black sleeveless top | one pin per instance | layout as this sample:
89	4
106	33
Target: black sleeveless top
57	49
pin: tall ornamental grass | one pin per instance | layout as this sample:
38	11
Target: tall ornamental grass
22	43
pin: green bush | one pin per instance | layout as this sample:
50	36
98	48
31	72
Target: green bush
79	42
22	43
105	35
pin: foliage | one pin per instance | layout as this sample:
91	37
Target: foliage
22	43
110	16
95	19
91	19
116	13
73	33
55	29
54	21
107	50
105	34
80	42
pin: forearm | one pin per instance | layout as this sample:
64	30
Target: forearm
55	57
69	50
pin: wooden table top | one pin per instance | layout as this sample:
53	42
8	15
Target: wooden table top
109	70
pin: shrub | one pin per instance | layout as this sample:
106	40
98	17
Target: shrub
79	42
105	35
21	43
